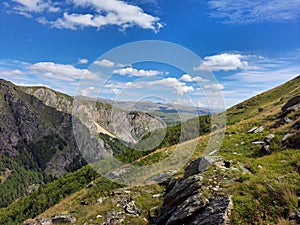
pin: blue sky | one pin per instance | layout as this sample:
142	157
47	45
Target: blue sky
249	46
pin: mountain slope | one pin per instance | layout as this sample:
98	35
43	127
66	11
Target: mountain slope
36	142
263	182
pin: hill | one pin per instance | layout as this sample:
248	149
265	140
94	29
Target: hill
254	179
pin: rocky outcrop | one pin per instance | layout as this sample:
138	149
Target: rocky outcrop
292	104
127	126
188	201
57	219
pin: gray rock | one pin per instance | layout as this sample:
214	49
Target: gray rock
163	177
292	104
251	130
113	218
259	130
269	138
285	137
90	185
132	209
44	221
265	150
258	142
218	212
63	218
201	164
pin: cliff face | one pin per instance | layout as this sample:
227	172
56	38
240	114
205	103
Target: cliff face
28	125
127	126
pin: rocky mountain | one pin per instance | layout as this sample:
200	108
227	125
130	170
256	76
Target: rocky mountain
254	179
36	137
128	126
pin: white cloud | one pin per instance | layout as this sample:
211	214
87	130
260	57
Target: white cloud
224	62
82	61
189	78
26	7
131	72
170	82
61	71
245	12
214	86
105	13
10	72
105	63
86	92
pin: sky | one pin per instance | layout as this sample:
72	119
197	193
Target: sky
243	47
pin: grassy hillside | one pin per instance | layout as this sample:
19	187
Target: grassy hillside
265	185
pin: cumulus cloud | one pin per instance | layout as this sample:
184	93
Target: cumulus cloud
132	72
61	71
189	78
105	63
225	62
82	61
103	13
245	12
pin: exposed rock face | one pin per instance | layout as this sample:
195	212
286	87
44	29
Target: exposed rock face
127	126
26	124
186	204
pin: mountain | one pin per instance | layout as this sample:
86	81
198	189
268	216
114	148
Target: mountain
36	142
99	116
254	179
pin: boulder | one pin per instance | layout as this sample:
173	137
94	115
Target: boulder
132	209
63	218
292	104
201	164
285	137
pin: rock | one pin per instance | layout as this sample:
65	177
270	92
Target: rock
180	192
255	130
30	222
100	200
217	212
265	150
132	209
164	178
268	138
285	137
44	221
201	164
90	185
63	218
113	218
158	195
293	141
259	130
292	104
287	120
258	142
251	130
